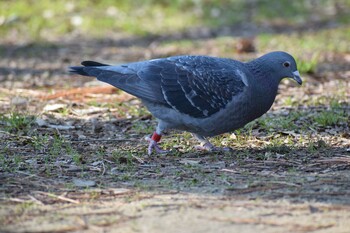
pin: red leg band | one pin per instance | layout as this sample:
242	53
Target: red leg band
156	137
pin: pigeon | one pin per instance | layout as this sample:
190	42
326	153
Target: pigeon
204	95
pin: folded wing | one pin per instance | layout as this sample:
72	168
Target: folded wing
198	86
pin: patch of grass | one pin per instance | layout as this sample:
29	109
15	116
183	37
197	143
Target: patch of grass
56	147
263	156
24	207
101	152
336	102
308	65
17	160
289	101
292	170
273	123
332	110
125	160
17	122
295	12
5	162
69	186
281	146
316	146
142	127
126	109
125	177
49	19
175	141
310	44
39	142
64	111
10	161
95	103
329	118
60	17
77	158
242	135
139	110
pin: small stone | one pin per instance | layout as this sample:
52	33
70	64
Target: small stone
311	178
19	101
83	183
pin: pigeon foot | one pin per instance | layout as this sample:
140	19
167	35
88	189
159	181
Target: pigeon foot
153	144
211	148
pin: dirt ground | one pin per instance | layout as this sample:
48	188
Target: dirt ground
79	164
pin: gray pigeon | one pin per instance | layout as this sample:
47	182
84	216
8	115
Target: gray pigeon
204	95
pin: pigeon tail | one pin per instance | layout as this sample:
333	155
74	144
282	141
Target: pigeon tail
80	69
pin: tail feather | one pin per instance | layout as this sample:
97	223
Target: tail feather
93	63
80	69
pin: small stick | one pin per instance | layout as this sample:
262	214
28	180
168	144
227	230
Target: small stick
58	197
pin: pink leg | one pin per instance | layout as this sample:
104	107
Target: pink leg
153	144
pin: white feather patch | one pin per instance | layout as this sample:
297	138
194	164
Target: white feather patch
243	77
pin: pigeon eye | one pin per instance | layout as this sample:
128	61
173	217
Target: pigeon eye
286	64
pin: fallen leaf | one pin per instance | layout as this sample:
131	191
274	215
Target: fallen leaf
53	107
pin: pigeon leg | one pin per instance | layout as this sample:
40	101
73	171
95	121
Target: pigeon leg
153	144
207	146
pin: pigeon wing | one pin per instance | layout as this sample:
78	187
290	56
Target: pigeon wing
200	86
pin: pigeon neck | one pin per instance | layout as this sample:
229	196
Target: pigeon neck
260	68
266	89
263	73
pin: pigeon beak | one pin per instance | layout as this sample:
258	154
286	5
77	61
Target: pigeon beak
296	77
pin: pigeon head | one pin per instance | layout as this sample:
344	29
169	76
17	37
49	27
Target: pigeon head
282	65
